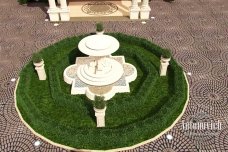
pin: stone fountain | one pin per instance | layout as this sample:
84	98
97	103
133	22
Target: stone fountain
100	73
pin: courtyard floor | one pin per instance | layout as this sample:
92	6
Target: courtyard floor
195	30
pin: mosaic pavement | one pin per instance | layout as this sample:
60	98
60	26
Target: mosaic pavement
195	30
99	8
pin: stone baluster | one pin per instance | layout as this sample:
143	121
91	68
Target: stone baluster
63	4
65	11
134	10
52	4
53	11
145	10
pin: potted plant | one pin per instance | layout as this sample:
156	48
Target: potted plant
165	58
99	106
99	103
37	59
166	55
39	66
99	28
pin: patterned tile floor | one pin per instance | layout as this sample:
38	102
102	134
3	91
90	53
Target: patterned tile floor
195	30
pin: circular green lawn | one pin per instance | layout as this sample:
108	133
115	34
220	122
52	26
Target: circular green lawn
152	105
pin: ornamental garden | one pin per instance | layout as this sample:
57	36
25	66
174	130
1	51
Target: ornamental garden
101	91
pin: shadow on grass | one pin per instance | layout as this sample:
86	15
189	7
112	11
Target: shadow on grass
89	106
73	54
171	80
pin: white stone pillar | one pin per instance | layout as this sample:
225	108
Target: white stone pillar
53	11
65	11
145	10
100	115
40	70
164	65
52	4
134	10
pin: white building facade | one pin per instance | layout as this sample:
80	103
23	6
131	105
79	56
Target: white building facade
61	11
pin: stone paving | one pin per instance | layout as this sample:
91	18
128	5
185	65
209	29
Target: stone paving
195	30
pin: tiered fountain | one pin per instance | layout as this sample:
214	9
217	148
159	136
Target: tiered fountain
99	74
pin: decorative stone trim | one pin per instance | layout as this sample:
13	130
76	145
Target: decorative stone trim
111	150
101	8
133	76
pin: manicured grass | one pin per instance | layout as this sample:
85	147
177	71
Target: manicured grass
153	104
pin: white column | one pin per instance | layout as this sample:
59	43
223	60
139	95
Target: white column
53	11
63	4
164	65
41	71
134	10
145	3
100	115
65	11
52	4
145	10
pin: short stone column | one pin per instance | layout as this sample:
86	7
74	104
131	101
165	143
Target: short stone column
40	70
53	11
164	65
100	115
134	10
145	10
64	11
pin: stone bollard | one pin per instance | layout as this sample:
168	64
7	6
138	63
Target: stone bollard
164	65
100	115
40	70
